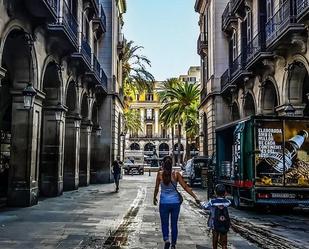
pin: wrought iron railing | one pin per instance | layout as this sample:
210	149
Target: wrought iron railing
280	20
227	13
102	16
68	19
237	65
86	50
96	67
149	118
225	79
53	4
255	46
103	78
302	6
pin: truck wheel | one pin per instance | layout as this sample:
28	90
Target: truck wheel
236	199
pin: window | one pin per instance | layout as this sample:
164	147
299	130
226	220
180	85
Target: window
149	97
270	9
163	134
137	97
249	26
149	131
149	114
234	44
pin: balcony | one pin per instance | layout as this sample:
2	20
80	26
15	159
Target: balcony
83	56
103	79
302	9
202	44
281	27
148	137
43	8
99	22
149	119
237	6
228	18
256	50
225	80
65	28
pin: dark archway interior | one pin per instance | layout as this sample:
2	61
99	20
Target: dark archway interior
249	107
148	147
235	112
164	147
17	62
84	107
51	85
296	80
71	98
306	95
135	146
176	147
269	98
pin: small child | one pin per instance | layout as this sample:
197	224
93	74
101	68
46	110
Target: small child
219	219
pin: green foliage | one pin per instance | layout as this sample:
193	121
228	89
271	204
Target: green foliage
132	121
134	69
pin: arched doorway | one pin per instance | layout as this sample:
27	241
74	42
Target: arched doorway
52	141
135	146
85	136
235	112
72	139
19	128
94	152
163	150
249	106
269	98
148	148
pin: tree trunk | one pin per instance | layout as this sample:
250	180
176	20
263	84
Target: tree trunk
173	143
179	143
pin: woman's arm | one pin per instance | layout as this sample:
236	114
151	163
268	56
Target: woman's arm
186	187
156	189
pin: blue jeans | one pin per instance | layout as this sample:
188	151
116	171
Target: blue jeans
167	211
117	178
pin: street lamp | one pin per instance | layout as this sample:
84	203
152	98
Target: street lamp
98	130
29	94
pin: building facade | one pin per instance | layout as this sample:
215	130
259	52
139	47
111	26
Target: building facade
57	52
266	70
193	76
153	136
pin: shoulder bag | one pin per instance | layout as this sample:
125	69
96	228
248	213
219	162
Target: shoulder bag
180	195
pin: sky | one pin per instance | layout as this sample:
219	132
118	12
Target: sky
168	31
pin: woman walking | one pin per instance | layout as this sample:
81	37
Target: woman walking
170	200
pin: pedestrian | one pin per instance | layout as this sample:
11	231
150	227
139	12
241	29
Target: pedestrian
116	172
219	219
170	200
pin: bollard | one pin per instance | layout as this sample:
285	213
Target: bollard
149	172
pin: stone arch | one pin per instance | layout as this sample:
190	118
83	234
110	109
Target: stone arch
249	105
148	147
135	146
17	125
164	147
235	112
72	139
294	80
269	98
51	158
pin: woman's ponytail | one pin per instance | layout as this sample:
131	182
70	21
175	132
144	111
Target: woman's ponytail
167	170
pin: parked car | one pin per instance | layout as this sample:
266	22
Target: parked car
194	167
133	168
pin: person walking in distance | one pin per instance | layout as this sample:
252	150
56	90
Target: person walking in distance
219	219
116	172
170	200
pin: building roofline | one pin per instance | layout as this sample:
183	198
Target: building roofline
199	5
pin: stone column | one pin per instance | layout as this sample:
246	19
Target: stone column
157	122
93	155
23	172
84	161
71	153
142	121
51	161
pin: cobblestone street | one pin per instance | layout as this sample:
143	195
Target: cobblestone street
97	217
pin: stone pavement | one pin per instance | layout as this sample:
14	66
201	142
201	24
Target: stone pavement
97	217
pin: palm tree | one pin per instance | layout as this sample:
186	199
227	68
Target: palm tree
132	121
134	68
182	98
